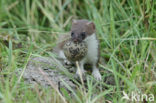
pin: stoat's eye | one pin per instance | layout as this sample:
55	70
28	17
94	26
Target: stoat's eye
72	34
83	35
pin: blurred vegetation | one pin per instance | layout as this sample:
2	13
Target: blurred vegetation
126	29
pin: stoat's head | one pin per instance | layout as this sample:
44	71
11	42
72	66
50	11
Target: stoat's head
81	29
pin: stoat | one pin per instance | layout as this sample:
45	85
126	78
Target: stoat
83	30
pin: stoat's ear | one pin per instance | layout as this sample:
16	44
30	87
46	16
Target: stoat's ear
74	21
91	25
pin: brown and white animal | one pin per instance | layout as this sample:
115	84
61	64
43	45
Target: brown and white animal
83	30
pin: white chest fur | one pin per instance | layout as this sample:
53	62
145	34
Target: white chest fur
92	54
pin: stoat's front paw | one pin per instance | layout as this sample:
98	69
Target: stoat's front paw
97	75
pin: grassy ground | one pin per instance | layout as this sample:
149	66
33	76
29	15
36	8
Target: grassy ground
126	29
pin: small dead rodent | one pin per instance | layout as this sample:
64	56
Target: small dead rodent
75	51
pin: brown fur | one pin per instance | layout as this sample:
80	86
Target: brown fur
80	26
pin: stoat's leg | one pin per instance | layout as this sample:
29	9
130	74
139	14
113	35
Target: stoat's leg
96	72
61	55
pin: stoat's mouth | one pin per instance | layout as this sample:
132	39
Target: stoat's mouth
76	41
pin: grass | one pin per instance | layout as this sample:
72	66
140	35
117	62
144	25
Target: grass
126	29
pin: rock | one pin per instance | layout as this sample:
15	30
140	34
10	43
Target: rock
43	70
